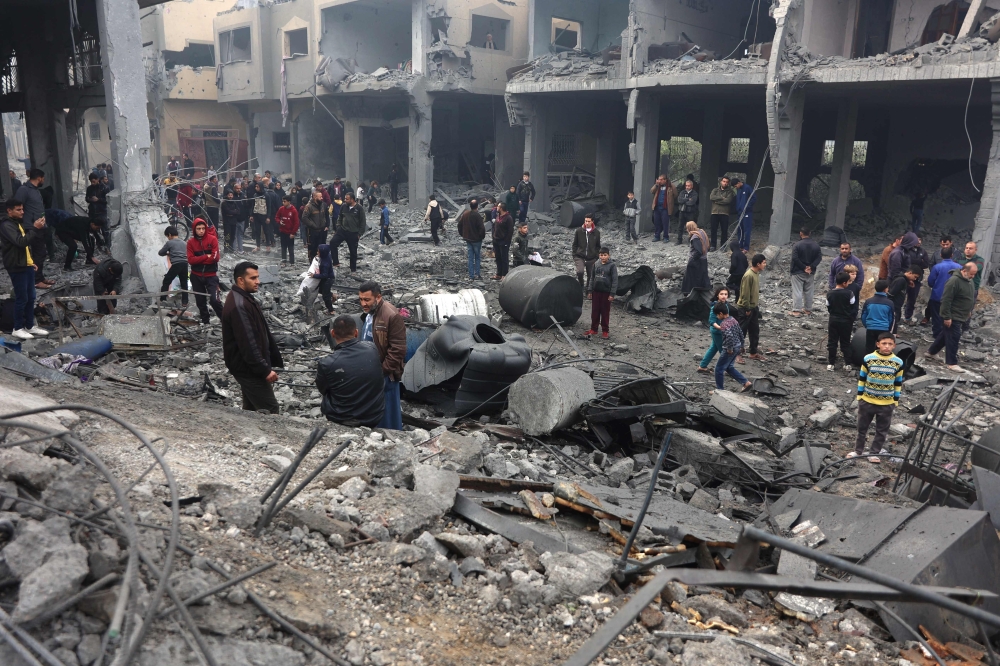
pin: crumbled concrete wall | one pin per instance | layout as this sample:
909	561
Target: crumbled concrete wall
191	83
910	19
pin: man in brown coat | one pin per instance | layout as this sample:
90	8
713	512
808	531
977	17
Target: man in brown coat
250	352
314	220
384	326
472	230
664	196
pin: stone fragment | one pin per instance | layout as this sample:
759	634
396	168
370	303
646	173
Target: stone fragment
801	366
472	565
89	649
394	460
277	463
234	507
355	652
528	469
541	402
317	522
620	472
405	513
465	545
58	578
465	452
72	489
29	469
651	617
495	464
702	500
430	544
711	606
353	487
189	582
337	479
740	406
440	485
723	651
577	575
237	596
825	417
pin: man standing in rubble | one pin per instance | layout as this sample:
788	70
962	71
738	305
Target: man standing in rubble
394	183
473	231
525	195
748	304
722	199
806	257
384	326
972	254
350	226
664	198
249	349
957	301
203	258
16	238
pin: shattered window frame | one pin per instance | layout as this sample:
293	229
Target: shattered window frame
739	150
227	39
563	29
477	34
295	35
95	131
563	150
281	142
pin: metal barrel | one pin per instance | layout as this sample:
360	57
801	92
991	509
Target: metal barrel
905	350
572	213
531	294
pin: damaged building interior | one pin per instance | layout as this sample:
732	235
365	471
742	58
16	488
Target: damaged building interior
553	496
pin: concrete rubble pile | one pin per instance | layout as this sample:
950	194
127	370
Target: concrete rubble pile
508	526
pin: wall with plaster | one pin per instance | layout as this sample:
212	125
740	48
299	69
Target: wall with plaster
243	80
827	26
268	158
374	32
601	22
178	115
716	25
189	22
320	146
191	83
910	18
298	69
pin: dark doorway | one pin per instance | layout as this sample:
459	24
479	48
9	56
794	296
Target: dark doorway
871	36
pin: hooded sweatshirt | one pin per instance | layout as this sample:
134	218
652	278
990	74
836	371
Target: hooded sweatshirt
899	258
203	253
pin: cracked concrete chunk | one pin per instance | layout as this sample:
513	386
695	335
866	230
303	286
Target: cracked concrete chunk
620	472
174	651
720	652
394	460
440	485
317	522
233	506
405	513
277	463
826	416
71	490
34	471
465	452
465	545
58	578
740	406
577	575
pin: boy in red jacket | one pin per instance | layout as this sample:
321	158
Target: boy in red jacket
203	258
288	225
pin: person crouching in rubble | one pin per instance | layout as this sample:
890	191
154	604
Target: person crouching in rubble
108	282
249	349
203	258
605	285
384	326
732	344
350	379
880	382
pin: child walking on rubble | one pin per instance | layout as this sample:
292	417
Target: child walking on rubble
721	296
880	382
732	343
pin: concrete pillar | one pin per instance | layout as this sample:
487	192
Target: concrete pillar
420	37
605	171
712	144
536	154
646	158
140	235
789	138
295	149
843	157
4	164
421	171
46	124
509	149
985	233
352	150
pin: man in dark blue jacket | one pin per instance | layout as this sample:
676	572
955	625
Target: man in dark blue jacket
878	315
746	197
936	280
350	379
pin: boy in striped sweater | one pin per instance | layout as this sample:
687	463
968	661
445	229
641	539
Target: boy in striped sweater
879	384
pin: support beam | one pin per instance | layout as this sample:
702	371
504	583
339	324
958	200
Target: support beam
985	233
712	141
4	165
646	155
605	171
789	137
970	18
420	38
140	234
352	150
536	153
843	158
421	171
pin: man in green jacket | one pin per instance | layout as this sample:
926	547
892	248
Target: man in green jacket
956	306
722	199
350	226
972	254
749	312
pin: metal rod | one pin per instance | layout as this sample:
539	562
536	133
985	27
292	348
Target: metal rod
775	658
874	576
314	437
649	497
916	634
29	639
71	601
18	648
986	641
306	481
219	588
570	341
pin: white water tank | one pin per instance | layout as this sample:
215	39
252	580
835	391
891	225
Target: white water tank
435	308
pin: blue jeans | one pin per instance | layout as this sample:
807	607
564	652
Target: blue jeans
24	298
725	364
714	349
238	236
522	212
661	224
918	220
475	254
948	338
746	228
392	417
934	308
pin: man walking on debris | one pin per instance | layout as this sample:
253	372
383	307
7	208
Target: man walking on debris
350	226
314	219
350	379
586	246
384	326
249	349
806	257
436	216
16	237
722	199
957	301
525	195
664	196
203	258
880	382
937	280
748	304
176	252
97	206
503	234
473	231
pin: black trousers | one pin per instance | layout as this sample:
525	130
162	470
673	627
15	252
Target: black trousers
839	332
502	253
210	286
258	395
213	216
71	247
435	225
316	238
324	289
394	192
288	243
720	222
179	271
351	239
102	305
750	324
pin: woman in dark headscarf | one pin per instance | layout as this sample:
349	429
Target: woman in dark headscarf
696	273
738	265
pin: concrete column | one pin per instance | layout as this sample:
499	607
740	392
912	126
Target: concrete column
352	150
647	154
605	171
843	157
713	141
789	137
46	124
295	149
4	164
421	171
510	150
420	36
140	234
536	154
985	233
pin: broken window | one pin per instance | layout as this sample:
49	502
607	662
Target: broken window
682	155
95	131
296	42
944	20
827	158
8	75
563	150
234	45
282	141
565	33
489	32
193	55
859	155
739	150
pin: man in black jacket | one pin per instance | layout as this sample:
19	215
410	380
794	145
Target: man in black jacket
16	239
97	204
350	379
72	228
108	282
350	226
394	183
525	194
473	231
249	349
806	257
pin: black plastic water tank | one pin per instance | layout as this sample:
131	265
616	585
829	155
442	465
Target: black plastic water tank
572	213
531	294
905	350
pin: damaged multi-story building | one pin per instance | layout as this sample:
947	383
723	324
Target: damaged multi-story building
334	88
823	104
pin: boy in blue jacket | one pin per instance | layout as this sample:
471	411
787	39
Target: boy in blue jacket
383	237
878	315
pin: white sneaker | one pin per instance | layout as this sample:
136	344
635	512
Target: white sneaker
848	368
830	368
37	331
22	334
